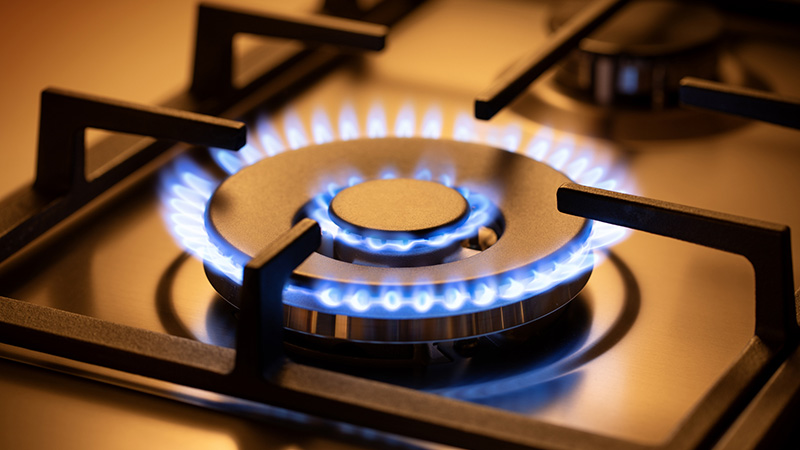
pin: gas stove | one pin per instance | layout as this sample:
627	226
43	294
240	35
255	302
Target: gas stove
339	255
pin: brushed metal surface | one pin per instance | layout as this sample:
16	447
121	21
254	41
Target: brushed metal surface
686	312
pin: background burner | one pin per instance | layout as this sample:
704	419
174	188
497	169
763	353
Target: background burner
638	57
622	81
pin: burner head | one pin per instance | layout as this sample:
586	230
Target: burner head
466	293
398	208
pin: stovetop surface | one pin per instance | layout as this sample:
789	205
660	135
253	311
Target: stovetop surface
667	318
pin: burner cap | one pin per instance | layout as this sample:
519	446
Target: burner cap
398	208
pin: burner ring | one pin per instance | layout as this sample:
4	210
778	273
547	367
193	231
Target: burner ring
536	239
402	249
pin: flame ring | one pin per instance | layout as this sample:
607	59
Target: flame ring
539	247
481	214
187	188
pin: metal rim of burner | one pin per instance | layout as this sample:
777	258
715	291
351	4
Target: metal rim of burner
536	236
564	330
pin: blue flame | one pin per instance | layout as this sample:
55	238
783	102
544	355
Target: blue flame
376	122
268	137
348	123
404	127
427	300
322	130
481	214
295	132
187	189
432	123
464	130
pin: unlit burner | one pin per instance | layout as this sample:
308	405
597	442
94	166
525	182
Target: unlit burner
640	55
622	81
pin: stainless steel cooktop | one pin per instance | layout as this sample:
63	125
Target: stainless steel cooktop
663	319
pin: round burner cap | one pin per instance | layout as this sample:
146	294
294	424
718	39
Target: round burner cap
398	208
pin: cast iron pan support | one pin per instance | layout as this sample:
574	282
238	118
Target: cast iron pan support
768	248
257	371
765	106
61	186
526	70
66	115
216	27
773	413
259	348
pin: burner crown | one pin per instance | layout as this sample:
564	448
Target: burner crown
399	208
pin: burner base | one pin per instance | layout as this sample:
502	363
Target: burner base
421	364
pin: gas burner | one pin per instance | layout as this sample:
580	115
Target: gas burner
487	252
454	296
640	55
622	82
